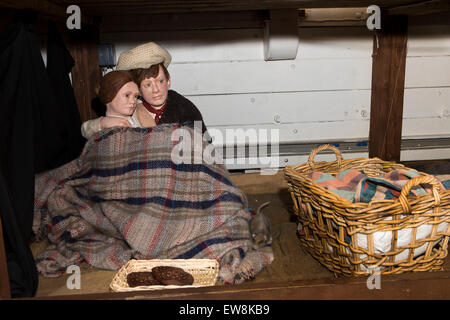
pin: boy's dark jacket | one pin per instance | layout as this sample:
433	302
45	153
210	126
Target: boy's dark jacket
180	110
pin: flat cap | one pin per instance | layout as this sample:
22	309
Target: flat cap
143	56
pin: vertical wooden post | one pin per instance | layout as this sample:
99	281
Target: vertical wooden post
86	73
5	291
388	81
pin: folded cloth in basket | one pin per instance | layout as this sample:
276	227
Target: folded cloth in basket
388	186
355	186
446	184
344	184
125	197
445	179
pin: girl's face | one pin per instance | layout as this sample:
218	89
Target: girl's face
154	90
124	103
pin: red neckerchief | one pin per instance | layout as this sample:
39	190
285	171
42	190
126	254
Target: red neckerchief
157	112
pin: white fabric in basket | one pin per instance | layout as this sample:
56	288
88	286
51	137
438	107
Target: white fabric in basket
382	240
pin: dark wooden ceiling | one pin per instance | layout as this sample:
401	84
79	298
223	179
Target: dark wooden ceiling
108	7
114	7
126	7
130	14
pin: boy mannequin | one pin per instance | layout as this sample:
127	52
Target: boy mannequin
148	65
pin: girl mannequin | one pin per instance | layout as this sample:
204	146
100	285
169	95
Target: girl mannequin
119	93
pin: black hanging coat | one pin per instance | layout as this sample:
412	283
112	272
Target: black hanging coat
34	136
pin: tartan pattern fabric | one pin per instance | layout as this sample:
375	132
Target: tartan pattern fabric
389	186
355	186
125	198
344	184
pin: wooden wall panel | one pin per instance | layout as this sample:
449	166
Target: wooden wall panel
311	131
244	44
284	107
429	40
273	76
323	95
427	72
429	103
309	106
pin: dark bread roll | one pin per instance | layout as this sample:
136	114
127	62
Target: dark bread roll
172	276
143	278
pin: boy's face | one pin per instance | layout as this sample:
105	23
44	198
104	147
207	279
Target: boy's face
154	90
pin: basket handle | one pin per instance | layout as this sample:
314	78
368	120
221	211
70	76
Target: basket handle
318	149
428	179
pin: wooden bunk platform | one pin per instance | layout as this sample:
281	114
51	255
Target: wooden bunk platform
293	274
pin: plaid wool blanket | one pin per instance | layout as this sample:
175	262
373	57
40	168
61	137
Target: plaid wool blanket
125	198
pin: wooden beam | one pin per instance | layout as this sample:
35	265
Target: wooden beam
86	74
46	8
43	6
411	285
5	291
388	79
422	8
136	7
182	21
93	8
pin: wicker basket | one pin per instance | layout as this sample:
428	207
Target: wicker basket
204	271
340	233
